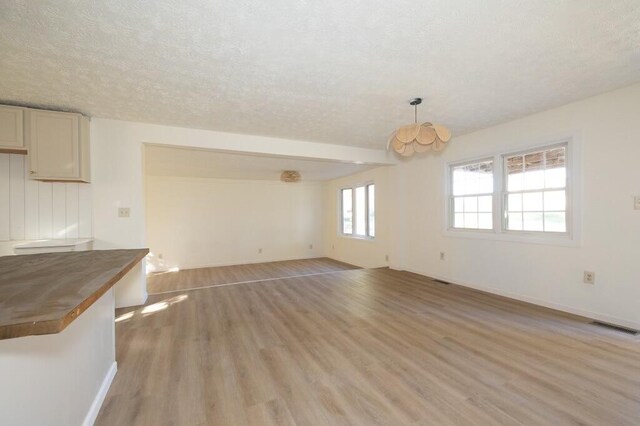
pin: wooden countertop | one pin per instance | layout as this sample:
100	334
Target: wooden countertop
44	293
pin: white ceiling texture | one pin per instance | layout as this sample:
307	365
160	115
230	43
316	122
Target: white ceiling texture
330	71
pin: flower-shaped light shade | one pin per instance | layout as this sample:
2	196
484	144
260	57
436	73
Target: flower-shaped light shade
424	137
290	176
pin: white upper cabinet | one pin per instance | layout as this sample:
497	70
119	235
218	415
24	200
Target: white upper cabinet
58	145
12	130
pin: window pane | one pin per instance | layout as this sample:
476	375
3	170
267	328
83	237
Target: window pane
458	205
476	178
534	179
514	221
471	220
555	201
532	202
470	204
514	202
555	178
458	220
485	183
372	210
532	222
556	167
485	221
555	222
515	169
347	211
457	181
361	211
485	204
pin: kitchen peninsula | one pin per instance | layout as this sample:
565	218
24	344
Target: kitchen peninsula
57	341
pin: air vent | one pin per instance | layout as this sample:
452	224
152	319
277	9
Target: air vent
441	282
616	328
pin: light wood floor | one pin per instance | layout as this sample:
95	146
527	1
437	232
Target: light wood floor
203	277
366	347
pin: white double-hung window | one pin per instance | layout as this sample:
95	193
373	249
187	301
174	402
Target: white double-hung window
525	195
471	198
357	211
536	190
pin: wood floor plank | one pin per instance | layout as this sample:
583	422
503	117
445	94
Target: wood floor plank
363	347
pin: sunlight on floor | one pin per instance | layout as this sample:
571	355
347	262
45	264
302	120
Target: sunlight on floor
153	308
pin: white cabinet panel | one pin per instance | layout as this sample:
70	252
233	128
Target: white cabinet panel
53	145
58	146
12	130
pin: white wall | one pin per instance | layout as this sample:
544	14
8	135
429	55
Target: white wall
117	177
198	222
607	129
59	379
33	210
360	252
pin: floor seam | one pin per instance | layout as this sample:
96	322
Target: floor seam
251	281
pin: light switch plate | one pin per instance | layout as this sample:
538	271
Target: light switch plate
124	212
636	202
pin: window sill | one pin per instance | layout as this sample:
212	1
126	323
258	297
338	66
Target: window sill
562	240
357	238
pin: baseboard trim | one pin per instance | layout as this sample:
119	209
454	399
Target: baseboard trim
91	416
535	301
246	262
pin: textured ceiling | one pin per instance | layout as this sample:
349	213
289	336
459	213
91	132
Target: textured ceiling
170	161
329	71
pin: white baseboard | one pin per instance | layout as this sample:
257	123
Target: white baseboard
248	262
535	301
91	416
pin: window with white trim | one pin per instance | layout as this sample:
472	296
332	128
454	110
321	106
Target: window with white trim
471	199
525	193
535	194
357	211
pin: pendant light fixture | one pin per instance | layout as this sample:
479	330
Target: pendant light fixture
290	176
415	137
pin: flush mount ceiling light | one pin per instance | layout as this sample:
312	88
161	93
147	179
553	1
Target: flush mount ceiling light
290	176
424	137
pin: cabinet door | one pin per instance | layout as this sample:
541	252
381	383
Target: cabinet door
53	145
11	129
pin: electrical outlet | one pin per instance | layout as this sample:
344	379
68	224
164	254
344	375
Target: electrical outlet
333	246
636	202
589	277
310	246
159	255
386	257
124	211
259	251
441	255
